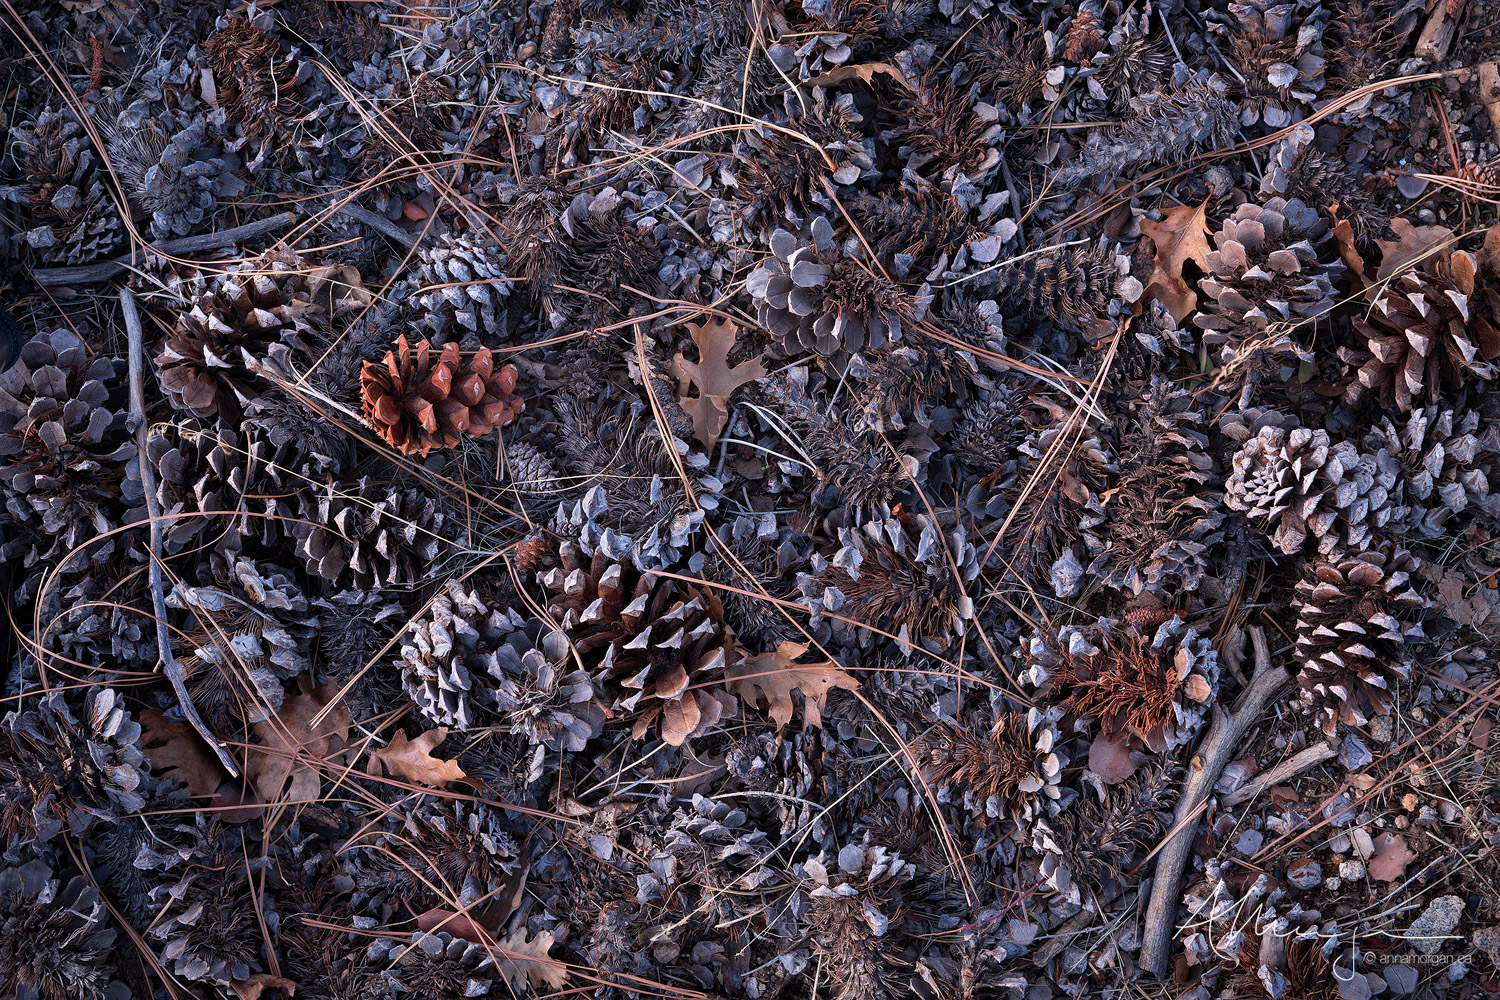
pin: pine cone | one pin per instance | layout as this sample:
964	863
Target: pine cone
1012	772
854	917
778	177
1172	127
251	312
198	472
813	296
531	472
1164	513
259	84
208	920
1157	691
1297	480
440	849
940	133
1072	286
1448	460
168	167
660	640
55	940
1085	37
1433	324
369	540
1350	641
74	219
675	31
1265	280
990	428
1278	56
1009	58
417	403
67	461
462	289
1099	841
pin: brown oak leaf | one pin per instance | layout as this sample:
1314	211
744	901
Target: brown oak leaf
715	380
525	963
1111	761
776	675
413	759
293	738
252	988
178	753
1388	863
1412	245
1179	238
460	925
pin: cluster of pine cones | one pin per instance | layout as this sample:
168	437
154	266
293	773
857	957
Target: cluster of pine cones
744	500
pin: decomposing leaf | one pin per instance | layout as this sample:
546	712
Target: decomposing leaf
1391	857
460	925
776	675
1179	238
252	988
526	964
236	802
1412	243
413	759
1343	238
292	742
1111	761
178	753
861	71
715	380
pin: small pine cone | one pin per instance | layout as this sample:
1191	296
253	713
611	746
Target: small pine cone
1264	280
658	638
1277	56
249	313
55	940
1012	772
261	618
417	403
94	764
462	289
1165	512
854	916
531	552
1350	641
1434	323
439	847
990	428
1449	461
209	920
73	217
67	461
1009	59
811	295
854	467
449	651
1072	286
369	539
440	966
1099	841
531	472
1157	691
676	31
168	168
538	699
1085	37
1297	480
941	134
912	379
1172	127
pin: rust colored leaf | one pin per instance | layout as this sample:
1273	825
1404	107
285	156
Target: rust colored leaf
236	802
1343	238
861	71
178	753
1412	244
1179	238
776	675
715	380
1110	761
252	988
460	925
1388	863
413	759
284	770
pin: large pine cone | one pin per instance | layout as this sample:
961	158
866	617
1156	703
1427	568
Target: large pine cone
74	219
67	462
1449	460
1264	280
1298	483
1434	325
1164	512
417	402
356	534
56	940
659	639
245	314
1350	642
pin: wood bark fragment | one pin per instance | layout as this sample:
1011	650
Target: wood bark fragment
1489	93
1308	758
1218	747
169	665
1438	33
90	274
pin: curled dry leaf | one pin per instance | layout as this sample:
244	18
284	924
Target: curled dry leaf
252	988
715	380
178	753
525	964
413	759
776	675
1179	238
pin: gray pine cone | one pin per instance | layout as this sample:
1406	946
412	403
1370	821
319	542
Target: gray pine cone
1167	129
74	220
1448	460
462	290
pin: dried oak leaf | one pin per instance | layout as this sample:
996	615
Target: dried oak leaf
413	759
460	925
861	71
1412	244
776	675
252	988
525	963
715	380
293	738
1388	863
1111	761
1179	238
178	753
1343	238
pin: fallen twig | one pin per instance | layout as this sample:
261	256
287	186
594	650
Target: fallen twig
1438	33
379	223
1224	736
90	274
1309	758
169	664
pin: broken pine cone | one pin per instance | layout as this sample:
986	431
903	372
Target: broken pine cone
1014	771
417	403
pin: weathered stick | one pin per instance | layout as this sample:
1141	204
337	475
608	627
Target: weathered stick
90	274
1489	93
169	664
379	223
1307	759
1437	34
1224	735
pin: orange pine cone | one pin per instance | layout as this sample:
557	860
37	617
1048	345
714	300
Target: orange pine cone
417	403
